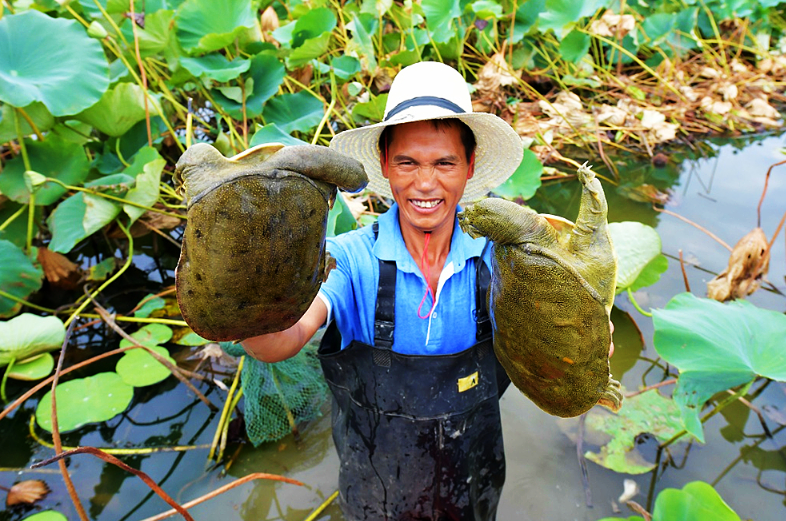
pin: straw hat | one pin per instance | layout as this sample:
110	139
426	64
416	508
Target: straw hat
433	90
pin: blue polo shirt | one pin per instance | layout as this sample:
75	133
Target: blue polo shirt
350	292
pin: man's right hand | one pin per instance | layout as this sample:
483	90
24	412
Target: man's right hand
275	347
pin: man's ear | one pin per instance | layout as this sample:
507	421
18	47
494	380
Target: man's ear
471	170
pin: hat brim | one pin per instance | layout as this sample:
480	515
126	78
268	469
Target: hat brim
497	155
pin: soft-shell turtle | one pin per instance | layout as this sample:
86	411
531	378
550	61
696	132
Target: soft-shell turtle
253	254
550	297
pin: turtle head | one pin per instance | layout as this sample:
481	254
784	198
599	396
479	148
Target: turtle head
502	221
199	165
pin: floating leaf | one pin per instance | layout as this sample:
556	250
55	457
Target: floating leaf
119	109
47	515
191	339
205	25
138	367
696	500
85	400
300	111
646	413
18	277
716	347
54	157
78	217
51	60
525	181
150	335
561	15
35	369
216	67
640	262
102	270
151	303
26	335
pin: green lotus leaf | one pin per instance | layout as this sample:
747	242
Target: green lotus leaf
300	111
640	262
340	218
119	109
371	111
77	218
151	303
191	339
696	500
574	46
27	335
526	18
59	66
150	335
139	369
561	15
216	67
206	25
54	157
33	369
85	400
313	24
272	134
487	9
361	38
345	66
268	73
439	18
716	347
146	190
156	37
37	112
102	270
311	49
525	181
646	413
18	277
47	515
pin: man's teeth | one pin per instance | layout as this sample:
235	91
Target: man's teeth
425	204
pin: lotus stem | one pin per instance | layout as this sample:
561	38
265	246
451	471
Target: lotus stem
227	410
13	217
322	507
113	198
111	279
636	304
5	377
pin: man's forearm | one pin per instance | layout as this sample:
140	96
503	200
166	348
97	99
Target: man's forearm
275	347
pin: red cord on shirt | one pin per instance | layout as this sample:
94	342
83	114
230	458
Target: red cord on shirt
425	266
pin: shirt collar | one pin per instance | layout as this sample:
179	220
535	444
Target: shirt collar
390	244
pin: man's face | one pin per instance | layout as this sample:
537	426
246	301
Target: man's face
427	170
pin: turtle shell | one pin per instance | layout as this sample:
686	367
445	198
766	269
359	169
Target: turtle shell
551	335
253	253
551	292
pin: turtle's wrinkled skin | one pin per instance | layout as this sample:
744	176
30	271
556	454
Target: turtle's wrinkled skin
550	297
253	254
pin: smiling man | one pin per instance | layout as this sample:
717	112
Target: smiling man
407	352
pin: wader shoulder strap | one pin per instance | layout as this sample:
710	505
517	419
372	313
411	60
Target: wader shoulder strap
385	310
482	281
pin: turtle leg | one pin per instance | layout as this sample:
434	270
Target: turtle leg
612	396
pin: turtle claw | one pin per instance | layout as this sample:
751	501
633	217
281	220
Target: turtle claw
612	396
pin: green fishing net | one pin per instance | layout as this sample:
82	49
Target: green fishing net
277	397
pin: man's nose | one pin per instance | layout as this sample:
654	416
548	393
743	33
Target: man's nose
426	177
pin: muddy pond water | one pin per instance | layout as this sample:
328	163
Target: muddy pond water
716	185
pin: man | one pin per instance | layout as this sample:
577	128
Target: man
407	352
